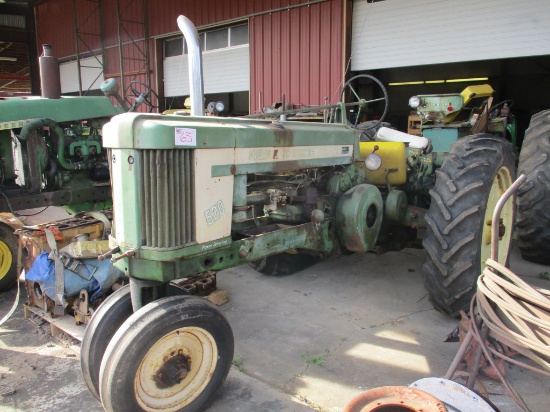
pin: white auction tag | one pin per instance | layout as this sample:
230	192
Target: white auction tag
185	137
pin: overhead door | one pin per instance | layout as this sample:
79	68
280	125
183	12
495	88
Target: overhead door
225	71
397	33
91	74
225	57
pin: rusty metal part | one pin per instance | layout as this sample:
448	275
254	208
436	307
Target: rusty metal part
33	241
36	297
202	285
175	368
82	310
394	398
128	254
20	201
101	258
473	357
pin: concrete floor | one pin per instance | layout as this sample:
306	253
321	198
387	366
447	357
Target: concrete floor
310	341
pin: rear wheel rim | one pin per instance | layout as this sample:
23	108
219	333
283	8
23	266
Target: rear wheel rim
6	259
193	342
501	182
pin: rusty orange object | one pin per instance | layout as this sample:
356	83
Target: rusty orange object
54	229
393	398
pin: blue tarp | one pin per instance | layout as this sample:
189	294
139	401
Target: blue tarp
100	276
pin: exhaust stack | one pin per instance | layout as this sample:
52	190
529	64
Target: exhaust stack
50	79
195	65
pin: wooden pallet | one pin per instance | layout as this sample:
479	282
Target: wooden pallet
65	324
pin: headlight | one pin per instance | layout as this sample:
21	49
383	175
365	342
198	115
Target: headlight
219	107
373	162
414	102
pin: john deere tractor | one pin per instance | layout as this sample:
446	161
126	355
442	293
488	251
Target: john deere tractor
51	154
195	194
473	163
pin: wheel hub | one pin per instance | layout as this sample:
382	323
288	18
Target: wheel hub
174	370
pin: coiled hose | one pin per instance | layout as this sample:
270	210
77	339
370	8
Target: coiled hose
517	314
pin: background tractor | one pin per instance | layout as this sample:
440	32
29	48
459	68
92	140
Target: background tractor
472	164
197	194
51	154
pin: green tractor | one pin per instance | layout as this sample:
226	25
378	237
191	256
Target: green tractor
196	194
51	154
474	163
49	162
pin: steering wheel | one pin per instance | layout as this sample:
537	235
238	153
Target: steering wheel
142	97
353	97
510	103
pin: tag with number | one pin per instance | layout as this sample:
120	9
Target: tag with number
185	137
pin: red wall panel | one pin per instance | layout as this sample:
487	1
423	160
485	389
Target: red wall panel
296	51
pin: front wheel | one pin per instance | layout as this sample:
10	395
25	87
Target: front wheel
105	322
170	355
474	175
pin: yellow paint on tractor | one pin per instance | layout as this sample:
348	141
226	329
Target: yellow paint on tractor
393	156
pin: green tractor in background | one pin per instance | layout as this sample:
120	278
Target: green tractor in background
473	143
47	162
51	154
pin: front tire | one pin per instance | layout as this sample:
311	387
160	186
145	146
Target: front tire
533	197
474	175
105	322
172	354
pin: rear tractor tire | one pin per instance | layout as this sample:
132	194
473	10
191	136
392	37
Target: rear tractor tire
474	175
533	197
170	355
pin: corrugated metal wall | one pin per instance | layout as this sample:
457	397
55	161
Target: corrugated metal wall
298	52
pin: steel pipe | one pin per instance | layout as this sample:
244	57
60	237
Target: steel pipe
191	37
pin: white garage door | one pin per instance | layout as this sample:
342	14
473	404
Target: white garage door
400	33
226	62
225	71
91	72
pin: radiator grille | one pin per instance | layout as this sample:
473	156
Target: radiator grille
167	205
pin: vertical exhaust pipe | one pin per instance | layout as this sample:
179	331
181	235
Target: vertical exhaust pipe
50	79
196	84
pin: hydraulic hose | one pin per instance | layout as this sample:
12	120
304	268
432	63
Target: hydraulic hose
54	127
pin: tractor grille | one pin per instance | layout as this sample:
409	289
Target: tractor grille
167	205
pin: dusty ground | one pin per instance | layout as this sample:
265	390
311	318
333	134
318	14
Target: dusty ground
318	338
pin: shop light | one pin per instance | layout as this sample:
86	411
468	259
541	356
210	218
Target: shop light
405	83
472	79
